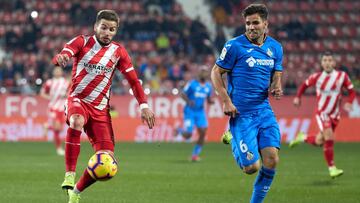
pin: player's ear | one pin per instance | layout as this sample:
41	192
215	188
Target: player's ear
95	25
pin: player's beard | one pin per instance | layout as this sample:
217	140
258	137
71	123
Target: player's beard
101	42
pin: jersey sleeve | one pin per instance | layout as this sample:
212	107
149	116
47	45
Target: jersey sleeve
210	90
347	82
72	47
278	60
187	88
350	88
311	80
228	56
46	87
125	66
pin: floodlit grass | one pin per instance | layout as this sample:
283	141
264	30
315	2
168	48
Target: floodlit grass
32	172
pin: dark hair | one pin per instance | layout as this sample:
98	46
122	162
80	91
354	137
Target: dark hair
110	15
256	8
327	53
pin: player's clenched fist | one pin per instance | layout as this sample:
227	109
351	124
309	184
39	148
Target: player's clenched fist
230	109
62	59
148	116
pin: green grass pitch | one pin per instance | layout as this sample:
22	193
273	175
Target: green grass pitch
31	172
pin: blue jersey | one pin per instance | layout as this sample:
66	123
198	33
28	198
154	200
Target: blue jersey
198	93
251	68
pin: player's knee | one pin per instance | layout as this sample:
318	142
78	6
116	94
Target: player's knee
77	121
252	168
271	161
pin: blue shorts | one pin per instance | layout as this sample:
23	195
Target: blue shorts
194	118
251	133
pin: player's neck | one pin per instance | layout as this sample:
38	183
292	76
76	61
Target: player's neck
258	42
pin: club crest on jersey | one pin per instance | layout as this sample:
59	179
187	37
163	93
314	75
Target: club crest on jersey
269	52
249	156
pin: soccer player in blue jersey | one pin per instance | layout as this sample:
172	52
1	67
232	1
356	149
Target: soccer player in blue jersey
252	62
195	93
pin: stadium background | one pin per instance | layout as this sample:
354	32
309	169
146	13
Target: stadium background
168	41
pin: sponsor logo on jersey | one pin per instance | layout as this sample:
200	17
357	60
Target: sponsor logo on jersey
261	62
97	69
251	61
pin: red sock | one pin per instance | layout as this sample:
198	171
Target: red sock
85	181
310	140
57	139
72	149
329	152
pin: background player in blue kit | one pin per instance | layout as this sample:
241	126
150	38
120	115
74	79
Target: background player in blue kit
253	65
195	93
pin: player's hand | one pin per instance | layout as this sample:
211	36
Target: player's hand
230	109
62	59
148	116
297	102
348	107
277	92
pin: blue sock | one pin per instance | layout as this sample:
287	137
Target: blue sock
262	184
197	149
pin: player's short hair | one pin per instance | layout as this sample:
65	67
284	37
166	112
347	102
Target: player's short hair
327	53
110	15
256	8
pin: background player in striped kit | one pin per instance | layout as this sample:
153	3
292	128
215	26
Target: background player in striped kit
55	90
95	59
328	84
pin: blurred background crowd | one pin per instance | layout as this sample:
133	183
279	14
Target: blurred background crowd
167	45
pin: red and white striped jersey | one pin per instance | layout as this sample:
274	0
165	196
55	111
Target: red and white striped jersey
328	90
93	70
57	89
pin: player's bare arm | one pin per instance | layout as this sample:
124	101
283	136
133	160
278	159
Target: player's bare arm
186	98
275	88
219	85
148	116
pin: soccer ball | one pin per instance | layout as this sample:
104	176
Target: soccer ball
102	166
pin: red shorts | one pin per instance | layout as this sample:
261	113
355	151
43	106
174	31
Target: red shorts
56	116
325	121
97	126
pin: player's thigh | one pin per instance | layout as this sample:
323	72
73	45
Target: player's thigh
74	106
201	120
100	134
269	132
244	144
189	121
59	120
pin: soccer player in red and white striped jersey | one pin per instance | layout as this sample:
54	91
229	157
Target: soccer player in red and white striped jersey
95	59
55	90
329	84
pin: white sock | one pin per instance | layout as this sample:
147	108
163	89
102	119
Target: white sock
76	191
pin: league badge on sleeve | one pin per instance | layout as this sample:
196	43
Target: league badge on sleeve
269	52
223	53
